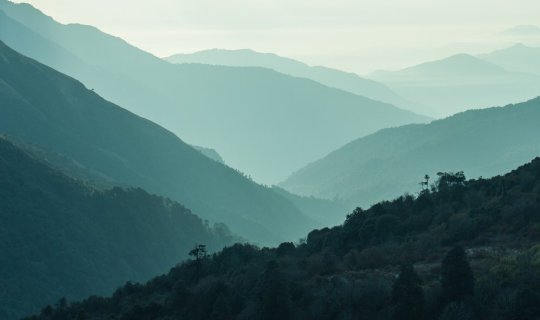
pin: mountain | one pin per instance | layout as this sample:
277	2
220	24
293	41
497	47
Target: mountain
346	81
62	238
257	118
466	250
383	165
459	83
519	58
55	113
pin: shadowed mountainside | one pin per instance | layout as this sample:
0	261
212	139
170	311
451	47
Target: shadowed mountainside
51	111
61	238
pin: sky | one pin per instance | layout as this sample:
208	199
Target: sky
354	35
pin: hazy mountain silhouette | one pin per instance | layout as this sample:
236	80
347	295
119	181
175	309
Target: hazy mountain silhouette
330	77
519	58
393	161
257	118
458	83
61	238
42	107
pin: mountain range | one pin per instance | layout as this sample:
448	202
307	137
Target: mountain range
462	82
52	112
519	57
117	166
346	81
255	117
392	161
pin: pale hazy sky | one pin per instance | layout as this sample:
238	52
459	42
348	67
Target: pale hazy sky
355	35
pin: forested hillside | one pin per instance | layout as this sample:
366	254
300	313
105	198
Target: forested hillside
460	250
62	238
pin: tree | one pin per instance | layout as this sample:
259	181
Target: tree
424	185
448	180
199	252
457	279
407	295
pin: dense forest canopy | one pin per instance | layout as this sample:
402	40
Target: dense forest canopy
461	249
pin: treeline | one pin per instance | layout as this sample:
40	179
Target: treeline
458	250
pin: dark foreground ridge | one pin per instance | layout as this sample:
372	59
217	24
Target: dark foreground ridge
459	250
60	237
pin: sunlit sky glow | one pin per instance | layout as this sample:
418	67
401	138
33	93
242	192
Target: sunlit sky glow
354	35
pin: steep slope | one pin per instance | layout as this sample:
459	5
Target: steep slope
330	77
459	83
519	58
47	109
60	238
351	271
393	161
257	118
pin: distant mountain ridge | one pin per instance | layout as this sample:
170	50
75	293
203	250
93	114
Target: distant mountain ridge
392	161
519	57
330	77
233	110
461	66
45	108
460	82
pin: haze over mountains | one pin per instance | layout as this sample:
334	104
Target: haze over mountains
519	58
393	161
117	165
463	82
254	117
330	77
50	111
